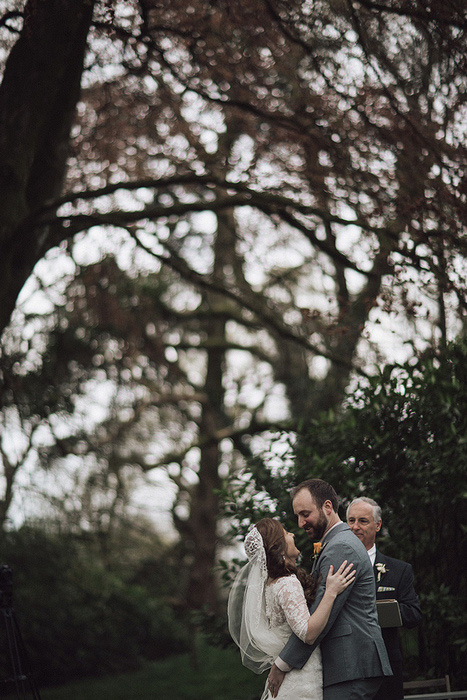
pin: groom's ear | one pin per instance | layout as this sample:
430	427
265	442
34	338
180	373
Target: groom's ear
327	507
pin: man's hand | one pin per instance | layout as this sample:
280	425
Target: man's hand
275	678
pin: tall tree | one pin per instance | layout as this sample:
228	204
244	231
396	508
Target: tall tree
38	95
330	163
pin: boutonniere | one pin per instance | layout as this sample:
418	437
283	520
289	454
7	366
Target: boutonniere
381	569
317	549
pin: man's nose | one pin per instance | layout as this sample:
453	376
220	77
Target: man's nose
301	521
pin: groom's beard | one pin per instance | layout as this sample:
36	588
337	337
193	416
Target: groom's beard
316	532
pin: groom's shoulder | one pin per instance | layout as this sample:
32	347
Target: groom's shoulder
343	536
340	533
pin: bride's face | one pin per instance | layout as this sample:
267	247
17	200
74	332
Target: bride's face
291	552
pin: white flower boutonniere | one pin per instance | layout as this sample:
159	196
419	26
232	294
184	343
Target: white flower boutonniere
381	569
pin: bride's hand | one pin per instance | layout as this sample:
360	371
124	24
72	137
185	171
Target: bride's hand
337	582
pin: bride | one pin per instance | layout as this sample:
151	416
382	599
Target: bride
269	599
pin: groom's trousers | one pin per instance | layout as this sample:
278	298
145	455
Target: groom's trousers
360	689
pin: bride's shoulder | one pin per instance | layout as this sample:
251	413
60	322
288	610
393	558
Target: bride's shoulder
290	581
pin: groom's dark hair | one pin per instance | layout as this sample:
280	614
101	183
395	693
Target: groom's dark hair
320	490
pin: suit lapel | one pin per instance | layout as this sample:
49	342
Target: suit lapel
340	527
380	571
377	561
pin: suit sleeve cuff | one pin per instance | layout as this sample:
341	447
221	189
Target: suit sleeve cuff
283	665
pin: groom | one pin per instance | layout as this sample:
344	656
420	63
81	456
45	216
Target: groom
353	652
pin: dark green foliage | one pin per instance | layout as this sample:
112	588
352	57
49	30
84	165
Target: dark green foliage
402	440
76	618
405	444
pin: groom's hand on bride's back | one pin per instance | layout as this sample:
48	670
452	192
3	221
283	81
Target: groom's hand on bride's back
275	678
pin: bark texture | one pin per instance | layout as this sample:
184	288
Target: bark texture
38	97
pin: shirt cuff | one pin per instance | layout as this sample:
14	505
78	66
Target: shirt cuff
283	665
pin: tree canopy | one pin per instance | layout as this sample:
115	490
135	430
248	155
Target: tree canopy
342	121
287	176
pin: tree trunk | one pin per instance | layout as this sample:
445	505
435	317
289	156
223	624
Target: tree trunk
38	96
204	513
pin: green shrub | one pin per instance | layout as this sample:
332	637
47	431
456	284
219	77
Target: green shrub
402	440
76	618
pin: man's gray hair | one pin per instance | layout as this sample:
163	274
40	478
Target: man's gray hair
377	514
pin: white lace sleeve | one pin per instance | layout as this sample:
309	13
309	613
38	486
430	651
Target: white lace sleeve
291	599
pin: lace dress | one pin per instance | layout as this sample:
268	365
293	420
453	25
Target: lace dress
288	612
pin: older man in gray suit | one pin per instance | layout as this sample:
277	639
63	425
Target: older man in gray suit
353	652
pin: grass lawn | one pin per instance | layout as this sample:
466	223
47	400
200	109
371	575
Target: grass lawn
221	676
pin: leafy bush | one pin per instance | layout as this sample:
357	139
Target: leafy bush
401	440
76	618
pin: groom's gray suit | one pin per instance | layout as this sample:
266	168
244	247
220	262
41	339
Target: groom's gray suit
351	643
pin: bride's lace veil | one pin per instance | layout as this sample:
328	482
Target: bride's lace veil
248	623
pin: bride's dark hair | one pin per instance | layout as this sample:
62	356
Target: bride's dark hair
273	535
